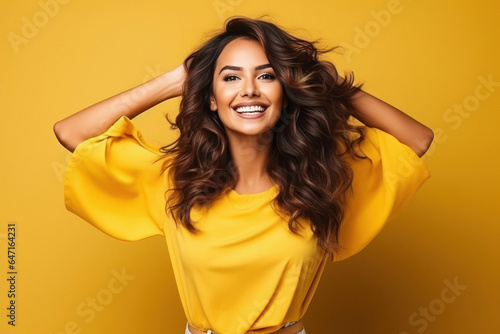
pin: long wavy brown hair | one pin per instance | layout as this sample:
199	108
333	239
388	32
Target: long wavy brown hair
307	143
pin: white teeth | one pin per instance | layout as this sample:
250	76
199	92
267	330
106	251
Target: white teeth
250	109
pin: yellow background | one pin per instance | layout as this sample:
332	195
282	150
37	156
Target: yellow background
430	57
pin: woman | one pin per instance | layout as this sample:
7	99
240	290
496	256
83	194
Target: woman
272	174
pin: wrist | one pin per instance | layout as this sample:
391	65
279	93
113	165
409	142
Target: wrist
166	86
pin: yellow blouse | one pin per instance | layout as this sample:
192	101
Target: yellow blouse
247	270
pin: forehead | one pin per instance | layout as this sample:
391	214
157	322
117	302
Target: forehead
240	52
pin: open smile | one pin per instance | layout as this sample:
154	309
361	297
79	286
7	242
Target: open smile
250	112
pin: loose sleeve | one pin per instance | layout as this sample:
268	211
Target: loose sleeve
112	182
381	188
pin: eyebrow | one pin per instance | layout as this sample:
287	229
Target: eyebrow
237	68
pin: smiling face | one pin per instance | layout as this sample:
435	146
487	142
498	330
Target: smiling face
243	75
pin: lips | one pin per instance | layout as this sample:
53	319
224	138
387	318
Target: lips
251	110
250	103
246	108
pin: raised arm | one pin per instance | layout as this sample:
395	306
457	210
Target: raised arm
376	113
97	118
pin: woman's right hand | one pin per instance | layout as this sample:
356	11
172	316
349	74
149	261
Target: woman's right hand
179	73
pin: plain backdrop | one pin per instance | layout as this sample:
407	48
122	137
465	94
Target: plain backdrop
435	60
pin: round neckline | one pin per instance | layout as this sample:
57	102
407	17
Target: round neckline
245	201
232	191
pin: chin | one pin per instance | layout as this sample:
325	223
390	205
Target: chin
250	132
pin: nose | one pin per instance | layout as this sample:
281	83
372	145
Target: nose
249	88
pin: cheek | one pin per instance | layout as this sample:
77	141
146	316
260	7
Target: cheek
275	92
224	96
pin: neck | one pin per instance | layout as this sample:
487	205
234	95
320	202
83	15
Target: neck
250	156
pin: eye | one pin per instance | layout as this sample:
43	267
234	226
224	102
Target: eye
269	75
227	77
